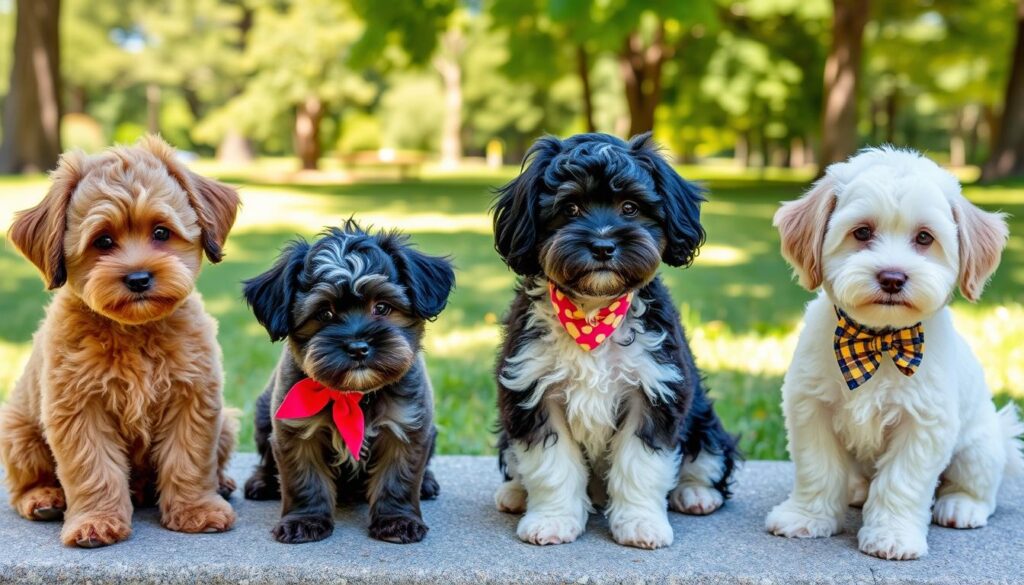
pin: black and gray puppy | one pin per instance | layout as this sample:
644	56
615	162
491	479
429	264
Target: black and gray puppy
352	306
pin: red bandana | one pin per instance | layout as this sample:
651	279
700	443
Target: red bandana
589	333
308	397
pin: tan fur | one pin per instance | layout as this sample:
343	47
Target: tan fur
802	225
121	396
982	236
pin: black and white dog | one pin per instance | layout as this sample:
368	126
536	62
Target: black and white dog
600	400
352	306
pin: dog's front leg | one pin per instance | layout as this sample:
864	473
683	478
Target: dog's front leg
397	466
817	505
554	473
186	459
898	509
93	469
638	484
307	484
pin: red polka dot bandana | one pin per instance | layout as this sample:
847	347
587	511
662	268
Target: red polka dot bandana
589	333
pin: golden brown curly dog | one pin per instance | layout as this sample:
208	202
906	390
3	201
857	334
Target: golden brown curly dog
121	397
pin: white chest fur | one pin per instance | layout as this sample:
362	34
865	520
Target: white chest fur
589	387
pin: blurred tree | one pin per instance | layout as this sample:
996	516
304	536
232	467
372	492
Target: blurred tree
1007	159
32	109
300	68
644	35
432	30
839	137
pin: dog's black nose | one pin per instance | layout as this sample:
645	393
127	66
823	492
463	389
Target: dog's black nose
602	249
139	282
892	281
357	350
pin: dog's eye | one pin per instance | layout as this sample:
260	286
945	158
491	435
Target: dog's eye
862	233
924	239
103	242
629	209
325	316
381	309
161	234
572	210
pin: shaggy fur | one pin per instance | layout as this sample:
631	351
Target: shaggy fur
627	426
121	399
896	444
349	287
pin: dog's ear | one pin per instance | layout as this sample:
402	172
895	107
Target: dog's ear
215	203
517	207
802	224
684	234
429	280
39	232
270	294
982	236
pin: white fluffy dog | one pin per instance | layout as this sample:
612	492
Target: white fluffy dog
888	237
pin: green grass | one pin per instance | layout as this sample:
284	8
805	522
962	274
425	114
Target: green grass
738	302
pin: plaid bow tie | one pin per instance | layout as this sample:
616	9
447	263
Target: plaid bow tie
859	350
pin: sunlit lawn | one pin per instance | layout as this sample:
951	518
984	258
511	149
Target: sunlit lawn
737	301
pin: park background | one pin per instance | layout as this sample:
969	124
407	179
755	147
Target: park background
407	114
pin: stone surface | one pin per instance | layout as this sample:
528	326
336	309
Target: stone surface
470	542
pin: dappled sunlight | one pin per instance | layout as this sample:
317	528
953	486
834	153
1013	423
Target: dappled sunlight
719	255
730	209
13	356
462	341
996	334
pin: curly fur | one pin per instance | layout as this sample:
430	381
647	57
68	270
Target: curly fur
627	426
121	399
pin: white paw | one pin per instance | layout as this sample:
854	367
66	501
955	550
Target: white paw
695	499
892	543
642	530
790	520
960	511
510	497
536	528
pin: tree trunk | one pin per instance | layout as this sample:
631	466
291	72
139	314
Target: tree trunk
32	110
842	70
153	108
892	104
958	139
234	148
741	152
447	65
641	70
797	149
307	132
1007	159
583	70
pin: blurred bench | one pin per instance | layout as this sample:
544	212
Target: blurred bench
470	542
407	163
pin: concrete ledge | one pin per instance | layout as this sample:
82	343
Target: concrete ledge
470	542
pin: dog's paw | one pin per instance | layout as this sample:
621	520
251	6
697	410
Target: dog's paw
430	488
211	514
790	520
225	485
94	530
960	511
398	529
698	500
299	529
642	531
892	544
536	528
262	487
510	498
42	503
